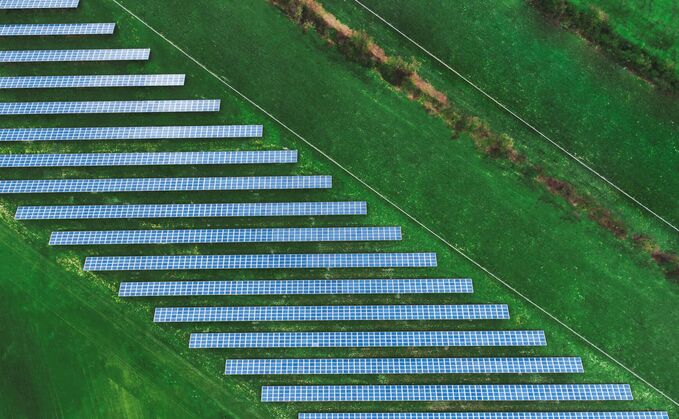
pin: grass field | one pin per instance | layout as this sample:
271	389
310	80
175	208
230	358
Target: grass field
648	27
72	350
530	238
578	97
651	24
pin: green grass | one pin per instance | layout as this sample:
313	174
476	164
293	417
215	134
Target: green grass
641	36
651	25
609	118
69	349
518	231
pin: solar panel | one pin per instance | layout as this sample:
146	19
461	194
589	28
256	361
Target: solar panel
331	313
262	261
38	4
489	415
58	29
473	392
130	133
263	209
368	339
164	184
240	235
68	55
148	159
296	287
343	366
125	80
96	107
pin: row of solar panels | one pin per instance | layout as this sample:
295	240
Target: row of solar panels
454	392
410	339
335	366
255	209
131	133
123	80
57	29
261	261
239	235
250	183
298	287
148	159
489	415
38	4
122	106
332	313
74	55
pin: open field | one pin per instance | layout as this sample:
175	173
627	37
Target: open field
652	23
609	118
528	237
70	349
640	34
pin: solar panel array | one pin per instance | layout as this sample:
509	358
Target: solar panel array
331	313
479	392
368	339
264	209
276	313
260	261
125	80
130	133
70	55
52	29
38	4
341	366
148	159
489	415
164	184
296	287
125	106
240	235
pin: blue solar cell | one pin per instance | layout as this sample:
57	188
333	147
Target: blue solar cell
263	261
148	159
58	29
489	415
164	184
331	313
264	209
38	4
478	392
70	55
97	107
306	366
130	133
56	82
368	339
240	235
296	287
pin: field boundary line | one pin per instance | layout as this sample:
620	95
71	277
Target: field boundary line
393	204
522	120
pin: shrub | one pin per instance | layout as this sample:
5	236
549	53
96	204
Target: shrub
293	8
454	120
308	26
359	47
396	69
